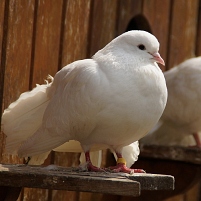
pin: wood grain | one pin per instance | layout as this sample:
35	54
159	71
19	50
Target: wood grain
3	25
127	10
74	46
183	31
17	59
185	154
157	13
69	180
198	36
75	32
103	24
47	40
74	180
45	58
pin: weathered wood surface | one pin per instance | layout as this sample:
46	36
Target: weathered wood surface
72	180
185	154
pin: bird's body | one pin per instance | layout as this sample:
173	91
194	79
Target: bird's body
181	118
111	100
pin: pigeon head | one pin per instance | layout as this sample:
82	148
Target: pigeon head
141	44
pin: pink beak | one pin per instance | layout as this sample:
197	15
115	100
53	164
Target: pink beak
157	57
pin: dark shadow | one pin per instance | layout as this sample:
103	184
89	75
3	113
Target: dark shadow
139	22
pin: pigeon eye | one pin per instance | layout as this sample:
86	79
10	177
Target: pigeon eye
141	47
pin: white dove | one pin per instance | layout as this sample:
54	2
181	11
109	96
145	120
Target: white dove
182	116
109	101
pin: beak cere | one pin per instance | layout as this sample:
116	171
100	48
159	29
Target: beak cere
157	57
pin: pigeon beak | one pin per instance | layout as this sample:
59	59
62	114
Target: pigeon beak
157	57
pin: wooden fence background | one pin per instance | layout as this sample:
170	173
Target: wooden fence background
39	37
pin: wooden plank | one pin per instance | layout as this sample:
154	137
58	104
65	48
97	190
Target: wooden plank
17	55
65	160
75	32
45	58
183	31
67	179
47	40
104	15
3	25
198	38
185	154
16	58
127	10
74	46
185	174
157	13
18	49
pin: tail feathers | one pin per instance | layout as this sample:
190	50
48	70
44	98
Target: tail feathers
38	159
23	117
40	142
130	153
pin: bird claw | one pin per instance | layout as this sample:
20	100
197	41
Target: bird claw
92	168
122	168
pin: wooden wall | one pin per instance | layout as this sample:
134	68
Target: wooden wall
39	37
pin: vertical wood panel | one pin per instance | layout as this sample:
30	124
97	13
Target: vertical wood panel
157	13
18	49
2	66
183	31
198	39
2	9
45	58
103	26
76	25
17	58
74	46
47	39
127	10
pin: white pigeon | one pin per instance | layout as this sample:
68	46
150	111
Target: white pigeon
109	101
181	120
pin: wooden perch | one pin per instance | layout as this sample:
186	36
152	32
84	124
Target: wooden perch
69	179
181	162
176	153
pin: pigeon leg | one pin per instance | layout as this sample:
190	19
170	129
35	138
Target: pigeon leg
197	139
91	167
121	166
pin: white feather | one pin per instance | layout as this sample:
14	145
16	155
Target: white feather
130	153
23	117
182	115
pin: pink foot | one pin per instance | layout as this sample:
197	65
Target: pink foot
122	168
197	140
93	168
